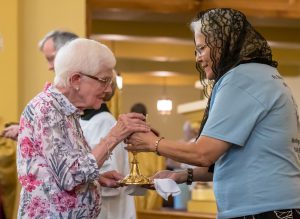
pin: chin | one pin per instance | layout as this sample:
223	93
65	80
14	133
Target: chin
210	75
97	105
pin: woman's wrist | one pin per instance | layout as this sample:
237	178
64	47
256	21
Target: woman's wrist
107	144
156	145
190	176
180	176
112	140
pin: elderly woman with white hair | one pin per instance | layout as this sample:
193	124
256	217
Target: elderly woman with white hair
58	171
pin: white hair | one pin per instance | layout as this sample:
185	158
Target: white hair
84	56
196	27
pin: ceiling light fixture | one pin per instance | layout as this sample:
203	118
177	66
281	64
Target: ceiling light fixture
164	105
119	81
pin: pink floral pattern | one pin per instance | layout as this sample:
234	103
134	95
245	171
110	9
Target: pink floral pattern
56	169
29	182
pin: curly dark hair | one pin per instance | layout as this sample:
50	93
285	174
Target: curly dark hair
232	41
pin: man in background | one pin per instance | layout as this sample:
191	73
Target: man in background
52	42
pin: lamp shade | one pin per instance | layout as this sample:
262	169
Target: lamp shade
164	106
119	81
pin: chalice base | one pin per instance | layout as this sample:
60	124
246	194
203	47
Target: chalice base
135	178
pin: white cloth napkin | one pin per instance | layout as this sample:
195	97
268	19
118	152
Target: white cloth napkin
164	187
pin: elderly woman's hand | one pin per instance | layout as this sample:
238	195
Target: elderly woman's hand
110	179
125	126
128	124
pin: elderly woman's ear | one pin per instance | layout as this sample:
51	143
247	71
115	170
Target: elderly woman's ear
74	81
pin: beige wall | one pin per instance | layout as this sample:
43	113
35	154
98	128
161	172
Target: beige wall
9	61
23	68
36	19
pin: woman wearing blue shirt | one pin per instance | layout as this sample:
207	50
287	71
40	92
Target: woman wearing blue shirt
250	127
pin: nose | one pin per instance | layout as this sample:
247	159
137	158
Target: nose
198	57
108	93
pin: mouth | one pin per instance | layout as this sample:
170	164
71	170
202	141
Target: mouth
204	66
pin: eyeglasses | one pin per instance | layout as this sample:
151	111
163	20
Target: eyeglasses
199	50
104	81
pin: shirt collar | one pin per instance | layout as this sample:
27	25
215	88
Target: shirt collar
89	113
62	102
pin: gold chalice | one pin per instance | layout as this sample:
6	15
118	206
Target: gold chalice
135	177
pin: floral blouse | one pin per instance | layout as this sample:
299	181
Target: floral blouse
57	171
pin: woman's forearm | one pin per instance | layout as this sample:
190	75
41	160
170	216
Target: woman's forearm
184	152
202	174
103	150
